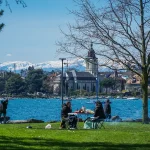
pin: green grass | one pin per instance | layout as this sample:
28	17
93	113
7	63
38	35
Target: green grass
120	136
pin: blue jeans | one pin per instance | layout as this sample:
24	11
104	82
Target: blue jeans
108	116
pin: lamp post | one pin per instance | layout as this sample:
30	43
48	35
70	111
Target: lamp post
62	59
97	82
66	78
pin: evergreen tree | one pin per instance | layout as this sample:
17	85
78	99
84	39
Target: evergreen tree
15	85
107	83
34	80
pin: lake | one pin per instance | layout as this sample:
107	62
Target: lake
49	109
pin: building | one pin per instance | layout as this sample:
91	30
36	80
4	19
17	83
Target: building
73	80
133	84
91	62
87	80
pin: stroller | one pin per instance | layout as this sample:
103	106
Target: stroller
72	120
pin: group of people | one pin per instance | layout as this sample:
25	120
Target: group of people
99	112
3	109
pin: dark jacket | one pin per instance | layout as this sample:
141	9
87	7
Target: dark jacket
107	108
99	112
4	103
65	111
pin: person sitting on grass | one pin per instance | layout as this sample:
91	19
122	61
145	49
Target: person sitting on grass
64	114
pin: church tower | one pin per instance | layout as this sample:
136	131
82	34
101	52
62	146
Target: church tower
91	62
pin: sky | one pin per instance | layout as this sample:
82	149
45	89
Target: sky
30	34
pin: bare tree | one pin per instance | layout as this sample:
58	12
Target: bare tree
7	3
1	24
120	32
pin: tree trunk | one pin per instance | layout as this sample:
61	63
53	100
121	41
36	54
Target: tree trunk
144	70
106	90
145	98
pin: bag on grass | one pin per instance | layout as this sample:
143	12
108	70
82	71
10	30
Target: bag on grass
87	124
48	126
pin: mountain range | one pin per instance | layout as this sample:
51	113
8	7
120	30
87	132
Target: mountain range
46	66
17	66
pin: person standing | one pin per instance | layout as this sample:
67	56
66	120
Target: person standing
4	110
107	109
64	114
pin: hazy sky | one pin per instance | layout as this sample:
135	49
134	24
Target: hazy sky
30	33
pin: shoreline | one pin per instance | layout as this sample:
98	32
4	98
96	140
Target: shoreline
118	120
77	98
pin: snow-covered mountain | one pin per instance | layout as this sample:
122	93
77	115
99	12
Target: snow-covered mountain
47	66
79	64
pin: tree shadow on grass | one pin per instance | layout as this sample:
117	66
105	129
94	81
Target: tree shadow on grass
9	143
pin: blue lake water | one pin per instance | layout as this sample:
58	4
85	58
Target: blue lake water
49	109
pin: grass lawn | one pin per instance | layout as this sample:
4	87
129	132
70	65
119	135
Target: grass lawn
115	136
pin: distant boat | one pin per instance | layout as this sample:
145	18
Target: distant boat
107	97
81	98
118	97
124	97
91	102
67	99
57	97
132	98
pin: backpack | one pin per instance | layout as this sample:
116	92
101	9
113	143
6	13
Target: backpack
1	107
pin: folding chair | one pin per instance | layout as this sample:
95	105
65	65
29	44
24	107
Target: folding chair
98	124
92	123
72	120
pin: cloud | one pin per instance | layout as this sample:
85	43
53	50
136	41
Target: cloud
8	55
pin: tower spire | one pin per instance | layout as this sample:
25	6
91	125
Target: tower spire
91	61
91	45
